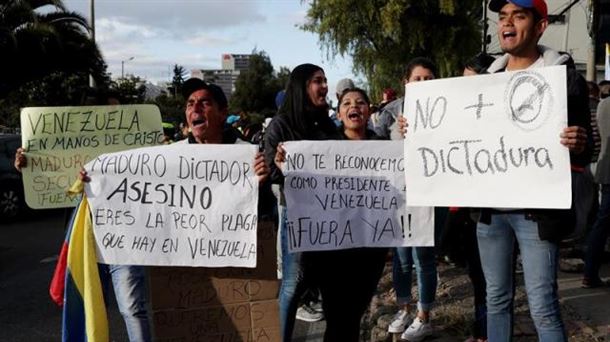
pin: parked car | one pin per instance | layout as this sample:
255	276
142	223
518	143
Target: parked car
12	202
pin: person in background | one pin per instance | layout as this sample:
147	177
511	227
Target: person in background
387	96
169	130
418	69
604	89
128	281
348	278
599	234
302	116
460	237
343	84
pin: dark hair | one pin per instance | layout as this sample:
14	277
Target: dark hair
354	90
297	107
479	63
193	84
423	62
593	89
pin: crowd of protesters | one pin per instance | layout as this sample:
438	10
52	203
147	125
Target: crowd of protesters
485	240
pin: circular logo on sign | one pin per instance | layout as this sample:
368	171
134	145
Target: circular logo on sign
529	100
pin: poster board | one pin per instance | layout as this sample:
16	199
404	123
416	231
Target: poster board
61	140
489	141
348	194
219	304
175	205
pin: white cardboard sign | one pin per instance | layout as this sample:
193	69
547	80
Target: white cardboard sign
347	194
175	205
488	141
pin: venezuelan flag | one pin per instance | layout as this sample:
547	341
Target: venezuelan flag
57	287
84	311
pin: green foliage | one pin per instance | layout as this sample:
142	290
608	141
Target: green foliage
178	79
382	36
131	89
255	88
56	89
37	43
171	107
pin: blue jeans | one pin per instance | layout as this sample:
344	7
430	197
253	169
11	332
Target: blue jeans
540	262
425	266
597	236
293	286
129	283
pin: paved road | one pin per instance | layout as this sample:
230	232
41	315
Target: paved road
27	259
28	250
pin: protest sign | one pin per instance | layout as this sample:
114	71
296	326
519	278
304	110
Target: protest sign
179	205
60	140
219	304
346	194
489	141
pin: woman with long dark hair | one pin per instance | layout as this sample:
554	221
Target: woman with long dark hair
303	115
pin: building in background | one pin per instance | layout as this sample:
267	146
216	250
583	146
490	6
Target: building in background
232	65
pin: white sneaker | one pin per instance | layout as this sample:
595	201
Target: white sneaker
417	331
308	314
399	322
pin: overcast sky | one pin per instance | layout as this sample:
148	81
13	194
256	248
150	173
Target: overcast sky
195	33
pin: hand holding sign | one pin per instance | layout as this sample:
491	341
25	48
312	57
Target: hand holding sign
347	194
490	141
171	205
60	140
574	138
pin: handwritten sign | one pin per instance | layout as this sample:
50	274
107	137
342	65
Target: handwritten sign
489	141
60	140
219	304
346	194
179	205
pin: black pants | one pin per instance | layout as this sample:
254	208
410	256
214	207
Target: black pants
347	280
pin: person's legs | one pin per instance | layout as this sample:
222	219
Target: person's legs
425	266
131	293
292	286
477	278
402	265
401	274
347	284
496	241
540	264
597	238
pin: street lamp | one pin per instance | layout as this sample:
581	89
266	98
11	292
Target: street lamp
123	66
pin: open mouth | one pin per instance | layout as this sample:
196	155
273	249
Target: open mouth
354	116
198	122
509	34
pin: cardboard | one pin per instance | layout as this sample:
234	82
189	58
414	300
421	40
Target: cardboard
219	304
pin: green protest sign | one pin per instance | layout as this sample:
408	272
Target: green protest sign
60	140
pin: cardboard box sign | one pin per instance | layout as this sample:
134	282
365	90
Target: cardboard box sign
219	304
254	321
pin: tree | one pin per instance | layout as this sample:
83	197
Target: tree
130	88
36	43
171	107
256	87
381	36
282	77
178	80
